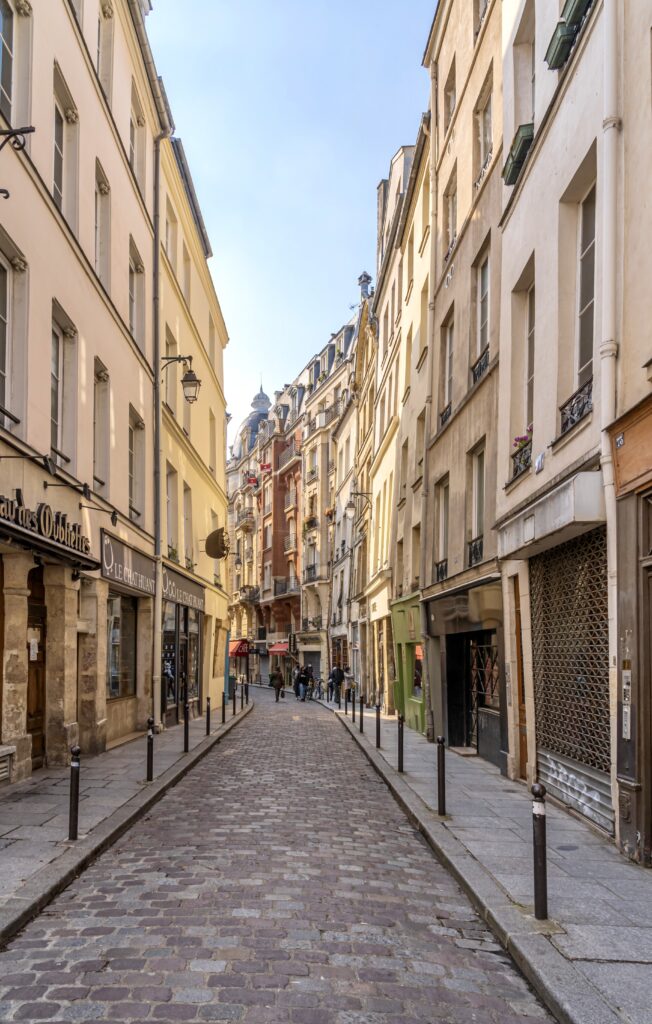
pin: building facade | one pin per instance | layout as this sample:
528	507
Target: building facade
77	437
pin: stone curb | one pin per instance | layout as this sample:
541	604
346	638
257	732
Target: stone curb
566	992
44	885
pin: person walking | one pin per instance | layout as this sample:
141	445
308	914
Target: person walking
338	679
303	683
297	677
276	680
331	685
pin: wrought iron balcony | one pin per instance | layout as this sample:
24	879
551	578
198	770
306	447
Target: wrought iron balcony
308	624
245	519
290	543
311	522
445	414
312	474
290	500
286	585
293	451
521	459
312	573
479	368
441	570
476	547
577	407
251	595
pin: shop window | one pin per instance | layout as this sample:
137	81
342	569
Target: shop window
121	646
169	653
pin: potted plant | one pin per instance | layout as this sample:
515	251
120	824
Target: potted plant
521	440
173	554
321	378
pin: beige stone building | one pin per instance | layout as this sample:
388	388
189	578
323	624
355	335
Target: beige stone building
462	591
78	522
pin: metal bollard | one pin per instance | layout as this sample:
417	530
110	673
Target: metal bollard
241	696
377	726
441	776
539	847
246	693
346	702
208	716
400	742
73	818
223	706
353	706
234	698
339	698
361	713
150	749
186	725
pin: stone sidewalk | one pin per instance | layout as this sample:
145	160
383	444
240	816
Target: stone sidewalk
592	962
36	858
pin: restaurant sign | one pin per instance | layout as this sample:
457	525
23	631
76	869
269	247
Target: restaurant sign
127	566
43	522
182	590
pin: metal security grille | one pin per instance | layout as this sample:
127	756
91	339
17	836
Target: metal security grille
485	673
570	647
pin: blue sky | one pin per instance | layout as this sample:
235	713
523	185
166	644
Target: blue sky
289	111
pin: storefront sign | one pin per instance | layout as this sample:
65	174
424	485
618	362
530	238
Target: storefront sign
127	566
182	590
43	522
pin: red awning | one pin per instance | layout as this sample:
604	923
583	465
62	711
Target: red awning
279	648
238	648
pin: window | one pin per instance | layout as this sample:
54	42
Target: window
480	9
450	214
267	536
478	494
64	157
482	300
408	358
136	469
425	205
170	235
211	343
170	371
186	273
421	437
188	546
385	329
136	295
483	142
56	390
423	322
405	455
171	498
449	97
449	346
525	66
77	9
101	429
102	225
410	260
586	296
104	57
6	58
5	335
137	138
442	540
212	440
122	618
529	372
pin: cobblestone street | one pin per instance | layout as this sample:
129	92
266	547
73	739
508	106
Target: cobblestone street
278	881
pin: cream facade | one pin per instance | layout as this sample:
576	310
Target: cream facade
77	454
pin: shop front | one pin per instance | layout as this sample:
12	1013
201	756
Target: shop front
239	656
409	689
130	577
181	648
471	705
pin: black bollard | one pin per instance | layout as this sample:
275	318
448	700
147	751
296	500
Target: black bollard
241	696
223	706
346	702
400	742
246	693
150	749
234	697
377	726
353	706
186	724
73	819
208	716
441	776
361	713
339	698
540	867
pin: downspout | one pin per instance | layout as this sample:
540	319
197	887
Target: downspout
611	126
425	488
156	319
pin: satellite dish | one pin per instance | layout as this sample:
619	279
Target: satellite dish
217	545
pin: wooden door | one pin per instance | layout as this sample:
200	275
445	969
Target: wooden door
522	726
36	623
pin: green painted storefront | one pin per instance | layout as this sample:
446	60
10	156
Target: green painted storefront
409	686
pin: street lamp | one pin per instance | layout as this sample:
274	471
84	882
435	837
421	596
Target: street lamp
350	507
190	382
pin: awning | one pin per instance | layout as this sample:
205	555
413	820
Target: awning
280	648
238	648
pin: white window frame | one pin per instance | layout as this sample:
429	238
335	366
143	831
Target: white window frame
582	253
483	321
7	99
58	185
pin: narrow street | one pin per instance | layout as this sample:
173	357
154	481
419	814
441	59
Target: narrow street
278	881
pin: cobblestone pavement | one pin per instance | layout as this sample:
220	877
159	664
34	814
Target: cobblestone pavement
278	881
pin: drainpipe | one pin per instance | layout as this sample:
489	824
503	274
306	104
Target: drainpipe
611	126
158	592
425	487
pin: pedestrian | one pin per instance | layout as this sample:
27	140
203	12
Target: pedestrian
303	683
338	679
276	680
331	685
297	674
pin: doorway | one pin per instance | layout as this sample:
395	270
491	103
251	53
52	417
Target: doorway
36	626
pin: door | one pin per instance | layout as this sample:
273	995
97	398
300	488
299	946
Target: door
522	728
183	674
36	618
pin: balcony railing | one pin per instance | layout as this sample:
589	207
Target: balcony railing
479	368
245	518
286	585
312	573
290	543
445	414
292	451
311	522
521	459
577	407
290	499
250	594
331	466
312	474
441	570
314	623
476	547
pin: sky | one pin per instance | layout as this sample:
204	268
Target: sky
290	112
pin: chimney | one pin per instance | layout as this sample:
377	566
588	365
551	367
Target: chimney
364	281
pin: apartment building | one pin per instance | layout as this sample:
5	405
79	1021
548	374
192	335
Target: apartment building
462	594
78	448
